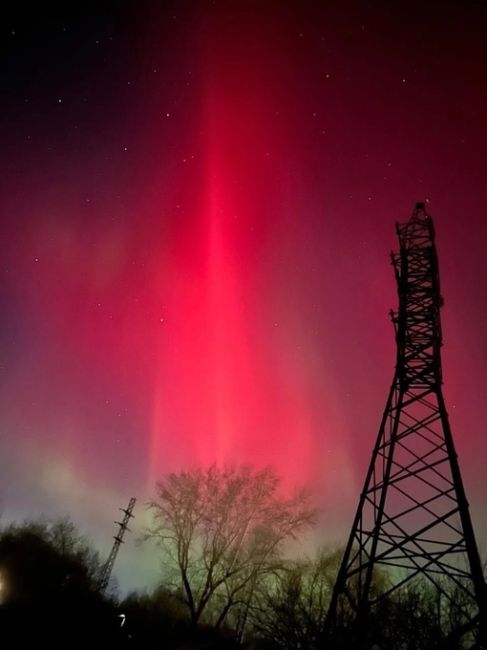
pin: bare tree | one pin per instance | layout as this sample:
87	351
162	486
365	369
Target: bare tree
289	611
222	530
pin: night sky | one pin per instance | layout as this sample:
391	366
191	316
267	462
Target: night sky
198	204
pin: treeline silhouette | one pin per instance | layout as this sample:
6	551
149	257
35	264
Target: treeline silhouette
226	583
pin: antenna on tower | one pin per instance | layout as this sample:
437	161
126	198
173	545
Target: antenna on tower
122	527
413	519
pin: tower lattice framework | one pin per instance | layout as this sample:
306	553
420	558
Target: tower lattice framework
118	541
413	519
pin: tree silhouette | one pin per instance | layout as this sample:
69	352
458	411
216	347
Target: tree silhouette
50	577
222	531
289	610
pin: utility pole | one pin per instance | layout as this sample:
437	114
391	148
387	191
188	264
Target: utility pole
122	527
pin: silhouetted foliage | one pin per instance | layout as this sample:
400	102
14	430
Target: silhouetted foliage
153	618
290	608
160	620
48	561
289	612
420	616
49	577
222	531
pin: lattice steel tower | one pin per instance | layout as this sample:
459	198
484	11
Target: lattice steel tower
412	518
122	527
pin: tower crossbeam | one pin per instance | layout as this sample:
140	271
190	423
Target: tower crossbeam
413	517
118	540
